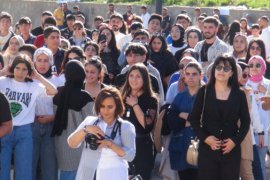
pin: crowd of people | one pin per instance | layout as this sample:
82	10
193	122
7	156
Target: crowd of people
100	103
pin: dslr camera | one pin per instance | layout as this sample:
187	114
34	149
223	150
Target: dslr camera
91	140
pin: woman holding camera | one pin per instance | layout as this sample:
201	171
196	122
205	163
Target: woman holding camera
110	139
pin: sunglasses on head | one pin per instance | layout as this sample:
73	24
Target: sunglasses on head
224	68
258	65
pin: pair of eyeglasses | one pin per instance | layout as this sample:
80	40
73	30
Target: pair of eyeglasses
245	75
255	48
224	68
77	28
258	65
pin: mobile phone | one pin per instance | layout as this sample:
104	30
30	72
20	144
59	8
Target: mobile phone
102	38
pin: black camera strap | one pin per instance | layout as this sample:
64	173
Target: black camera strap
116	127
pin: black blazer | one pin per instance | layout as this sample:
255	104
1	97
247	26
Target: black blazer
235	109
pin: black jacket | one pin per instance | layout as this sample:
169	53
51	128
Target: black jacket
224	127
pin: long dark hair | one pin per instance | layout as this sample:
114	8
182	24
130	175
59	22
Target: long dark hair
234	28
21	59
226	60
147	86
112	44
164	46
260	44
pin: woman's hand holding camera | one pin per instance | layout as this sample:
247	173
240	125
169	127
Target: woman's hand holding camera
105	143
95	130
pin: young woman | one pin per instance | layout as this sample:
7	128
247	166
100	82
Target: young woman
233	29
22	93
43	151
258	83
12	51
94	75
178	43
109	52
73	105
177	121
193	36
239	46
257	47
109	161
79	37
91	49
244	26
220	136
141	110
162	59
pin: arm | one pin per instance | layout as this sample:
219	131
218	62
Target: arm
265	102
5	128
5	117
51	90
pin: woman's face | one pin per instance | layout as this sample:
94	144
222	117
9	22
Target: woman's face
78	31
182	65
42	64
92	73
135	80
90	51
73	55
192	39
175	33
156	45
192	77
239	44
255	67
243	24
107	109
108	35
14	46
244	77
223	72
20	72
255	49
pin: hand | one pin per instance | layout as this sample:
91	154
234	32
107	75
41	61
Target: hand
104	143
95	130
227	146
102	45
262	89
265	99
187	124
183	115
181	84
5	71
44	119
261	141
131	100
213	142
35	74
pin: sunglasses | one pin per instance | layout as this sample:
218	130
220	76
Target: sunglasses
224	68
245	75
258	65
255	48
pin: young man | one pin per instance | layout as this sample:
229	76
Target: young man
116	22
52	41
197	13
166	22
5	33
39	30
127	15
211	47
184	20
111	11
145	16
138	53
97	21
68	31
265	35
255	32
25	26
154	24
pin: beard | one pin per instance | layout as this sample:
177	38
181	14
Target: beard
209	36
115	28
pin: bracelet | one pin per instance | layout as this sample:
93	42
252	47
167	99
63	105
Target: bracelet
135	105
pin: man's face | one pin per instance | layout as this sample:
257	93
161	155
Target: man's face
116	24
262	23
143	11
43	18
154	26
129	8
197	13
25	28
53	41
70	24
255	32
134	58
164	12
5	24
209	30
97	23
141	38
111	8
183	22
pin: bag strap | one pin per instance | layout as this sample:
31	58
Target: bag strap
201	123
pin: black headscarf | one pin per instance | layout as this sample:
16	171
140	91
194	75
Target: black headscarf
180	42
69	96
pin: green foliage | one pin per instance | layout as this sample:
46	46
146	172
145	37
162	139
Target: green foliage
261	4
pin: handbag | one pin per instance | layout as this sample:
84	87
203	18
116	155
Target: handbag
193	149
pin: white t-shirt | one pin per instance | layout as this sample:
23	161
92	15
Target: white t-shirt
3	40
22	97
